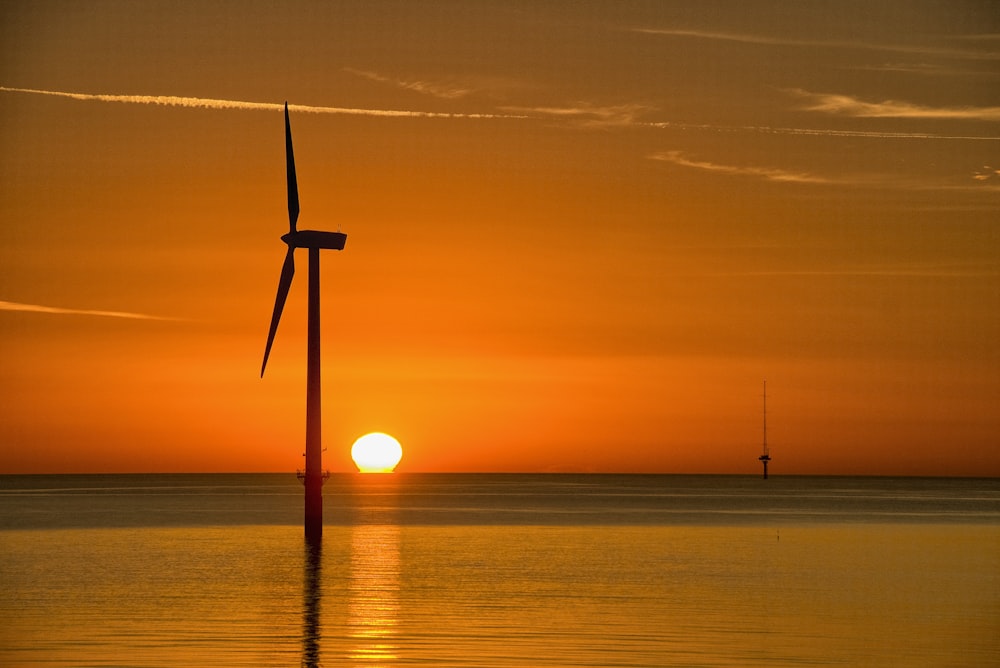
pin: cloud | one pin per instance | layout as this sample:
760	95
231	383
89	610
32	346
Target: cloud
928	70
957	270
987	173
728	37
628	115
893	181
847	105
825	132
210	103
768	173
447	91
813	43
35	308
582	115
588	115
814	132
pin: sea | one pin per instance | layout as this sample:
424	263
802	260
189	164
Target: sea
499	570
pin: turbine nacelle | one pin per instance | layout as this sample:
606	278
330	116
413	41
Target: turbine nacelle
315	239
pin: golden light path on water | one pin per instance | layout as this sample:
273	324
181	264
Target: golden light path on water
373	594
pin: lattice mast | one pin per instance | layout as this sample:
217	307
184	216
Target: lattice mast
765	457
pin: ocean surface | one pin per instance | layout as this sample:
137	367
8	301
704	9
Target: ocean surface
484	570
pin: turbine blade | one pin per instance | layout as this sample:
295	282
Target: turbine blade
293	186
284	283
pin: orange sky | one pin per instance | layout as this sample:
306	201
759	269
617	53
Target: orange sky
607	225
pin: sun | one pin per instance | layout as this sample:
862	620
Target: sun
376	453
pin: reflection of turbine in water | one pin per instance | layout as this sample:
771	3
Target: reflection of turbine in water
311	595
373	607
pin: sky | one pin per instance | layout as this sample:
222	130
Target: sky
581	235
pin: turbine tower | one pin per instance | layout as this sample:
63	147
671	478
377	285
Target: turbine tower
765	458
314	240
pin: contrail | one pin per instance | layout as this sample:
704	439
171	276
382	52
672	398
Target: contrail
765	40
626	116
36	308
210	103
763	129
601	116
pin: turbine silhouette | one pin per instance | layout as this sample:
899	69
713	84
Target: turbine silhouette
314	240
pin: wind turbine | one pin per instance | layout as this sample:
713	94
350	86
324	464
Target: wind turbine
314	240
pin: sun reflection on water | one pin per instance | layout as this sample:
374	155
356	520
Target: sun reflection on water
373	601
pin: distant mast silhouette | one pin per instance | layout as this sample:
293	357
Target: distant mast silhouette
314	240
765	458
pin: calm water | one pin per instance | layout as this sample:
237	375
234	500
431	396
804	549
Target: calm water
499	570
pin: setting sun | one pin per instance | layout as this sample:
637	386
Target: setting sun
376	453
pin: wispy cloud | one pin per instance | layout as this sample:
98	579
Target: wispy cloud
211	103
929	70
588	115
902	271
583	115
847	105
971	54
814	132
444	90
36	308
768	173
731	37
892	181
987	173
981	37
